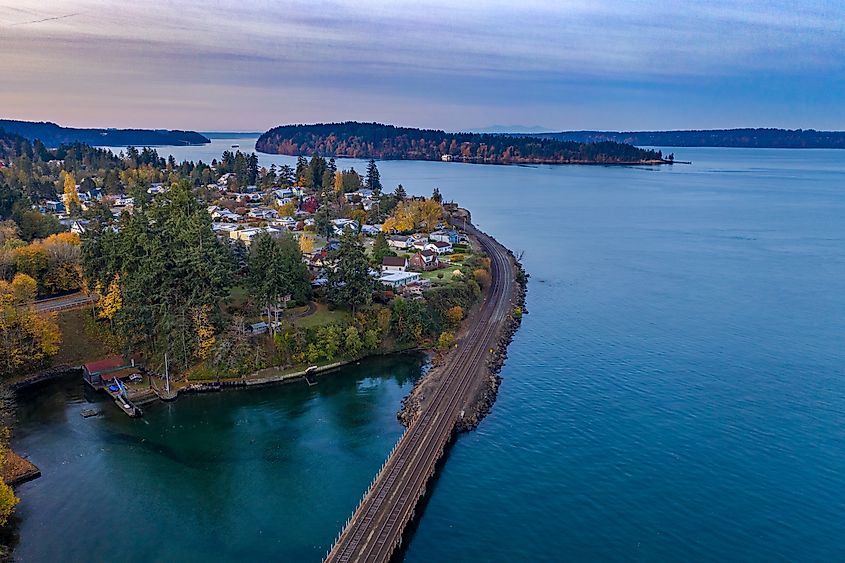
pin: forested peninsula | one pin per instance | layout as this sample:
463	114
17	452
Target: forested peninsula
52	135
375	140
744	138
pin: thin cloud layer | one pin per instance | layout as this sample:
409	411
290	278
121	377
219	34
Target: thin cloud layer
251	65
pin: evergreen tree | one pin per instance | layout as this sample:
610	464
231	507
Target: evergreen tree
381	248
436	196
399	192
349	281
373	178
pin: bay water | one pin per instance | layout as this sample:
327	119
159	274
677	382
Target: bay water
676	392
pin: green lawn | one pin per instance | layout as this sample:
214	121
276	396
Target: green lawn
323	317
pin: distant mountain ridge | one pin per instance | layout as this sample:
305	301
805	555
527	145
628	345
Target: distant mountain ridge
388	142
53	135
748	138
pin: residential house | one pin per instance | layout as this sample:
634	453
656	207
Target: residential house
223	214
399	279
440	247
247	235
263	214
371	230
398	241
341	225
394	264
79	226
425	261
445	235
54	206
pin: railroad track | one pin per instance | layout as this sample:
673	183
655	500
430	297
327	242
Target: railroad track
72	301
376	527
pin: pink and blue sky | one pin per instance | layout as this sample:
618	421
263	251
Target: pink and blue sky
250	65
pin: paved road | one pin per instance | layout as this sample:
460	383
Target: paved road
375	529
71	301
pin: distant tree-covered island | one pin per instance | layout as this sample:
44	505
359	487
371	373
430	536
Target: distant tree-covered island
744	138
375	140
52	135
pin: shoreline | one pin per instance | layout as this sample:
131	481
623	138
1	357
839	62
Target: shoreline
485	394
473	161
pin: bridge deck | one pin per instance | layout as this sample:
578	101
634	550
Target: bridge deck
375	529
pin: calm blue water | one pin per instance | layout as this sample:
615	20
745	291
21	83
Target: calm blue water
677	391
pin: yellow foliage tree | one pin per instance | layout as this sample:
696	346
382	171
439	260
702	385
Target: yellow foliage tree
411	215
446	340
455	315
287	210
71	197
112	302
204	330
26	338
338	182
8	500
306	243
24	289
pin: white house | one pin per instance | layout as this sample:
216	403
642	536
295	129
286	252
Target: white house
439	247
263	214
398	241
445	235
399	279
341	225
394	264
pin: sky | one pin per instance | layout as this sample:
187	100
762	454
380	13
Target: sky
248	65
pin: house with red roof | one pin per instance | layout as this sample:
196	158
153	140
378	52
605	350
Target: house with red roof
102	372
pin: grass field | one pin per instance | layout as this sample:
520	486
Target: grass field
83	339
323	317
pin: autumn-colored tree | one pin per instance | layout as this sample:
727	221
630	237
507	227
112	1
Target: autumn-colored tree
402	219
358	215
287	210
71	197
338	182
24	289
27	339
411	215
205	333
32	260
446	340
111	302
8	500
306	243
482	276
455	315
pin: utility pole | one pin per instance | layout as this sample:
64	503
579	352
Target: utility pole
166	376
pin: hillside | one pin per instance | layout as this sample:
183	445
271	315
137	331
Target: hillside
749	138
53	135
375	140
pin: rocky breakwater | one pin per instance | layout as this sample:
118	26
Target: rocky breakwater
484	395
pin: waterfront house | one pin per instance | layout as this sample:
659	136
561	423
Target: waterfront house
394	264
445	235
100	373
